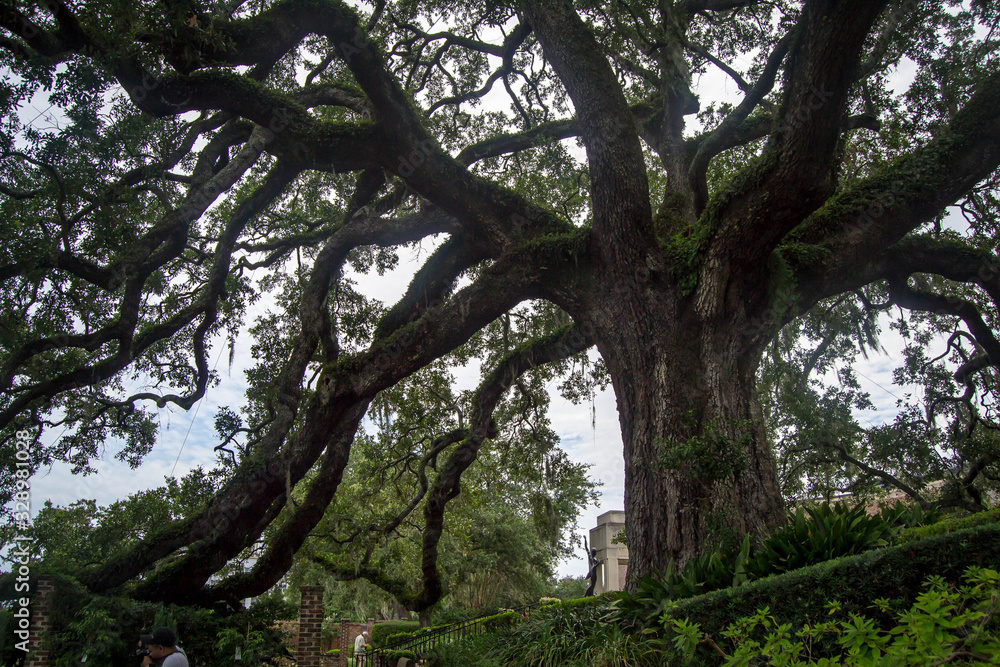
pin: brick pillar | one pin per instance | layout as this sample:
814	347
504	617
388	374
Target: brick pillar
41	622
310	626
345	640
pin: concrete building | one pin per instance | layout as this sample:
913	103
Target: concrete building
612	557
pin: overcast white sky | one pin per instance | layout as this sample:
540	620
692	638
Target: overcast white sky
187	438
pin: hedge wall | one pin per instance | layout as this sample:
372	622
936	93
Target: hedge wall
948	526
382	631
895	573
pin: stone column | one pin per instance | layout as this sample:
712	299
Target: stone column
41	622
310	626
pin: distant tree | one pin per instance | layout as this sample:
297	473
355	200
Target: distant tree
84	534
940	450
569	588
203	147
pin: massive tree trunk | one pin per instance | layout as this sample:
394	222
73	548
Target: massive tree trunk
698	468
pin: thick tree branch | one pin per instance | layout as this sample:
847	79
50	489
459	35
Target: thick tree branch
619	190
869	217
561	345
431	284
256	493
233	521
913	299
796	172
293	531
698	6
539	135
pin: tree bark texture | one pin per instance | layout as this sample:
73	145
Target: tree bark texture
699	472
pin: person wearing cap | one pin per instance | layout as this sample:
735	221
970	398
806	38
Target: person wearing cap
163	650
360	646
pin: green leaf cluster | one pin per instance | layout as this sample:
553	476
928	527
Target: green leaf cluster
946	624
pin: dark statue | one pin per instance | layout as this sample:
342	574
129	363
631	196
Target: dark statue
592	576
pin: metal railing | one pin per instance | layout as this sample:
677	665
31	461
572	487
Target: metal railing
425	641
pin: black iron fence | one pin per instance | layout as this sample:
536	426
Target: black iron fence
386	656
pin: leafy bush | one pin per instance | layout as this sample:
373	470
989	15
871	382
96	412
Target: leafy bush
816	534
578	632
467	652
394	656
252	646
895	574
570	635
812	535
902	515
382	631
944	625
395	638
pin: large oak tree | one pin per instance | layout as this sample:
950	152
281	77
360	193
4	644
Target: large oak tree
202	143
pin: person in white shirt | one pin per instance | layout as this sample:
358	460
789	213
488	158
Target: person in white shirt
360	647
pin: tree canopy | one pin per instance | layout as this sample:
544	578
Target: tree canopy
207	153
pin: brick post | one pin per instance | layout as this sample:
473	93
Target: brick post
345	640
41	622
310	626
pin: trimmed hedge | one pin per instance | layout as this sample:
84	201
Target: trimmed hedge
948	526
894	573
604	599
383	633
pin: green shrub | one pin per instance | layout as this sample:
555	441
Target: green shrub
816	534
812	535
943	625
802	596
467	652
577	633
561	633
504	619
452	615
948	526
650	598
571	636
903	515
411	634
251	646
382	631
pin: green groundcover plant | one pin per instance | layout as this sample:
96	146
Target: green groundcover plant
946	624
